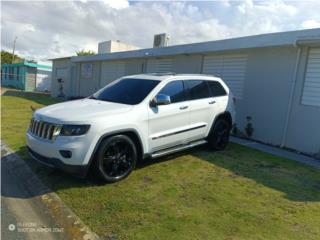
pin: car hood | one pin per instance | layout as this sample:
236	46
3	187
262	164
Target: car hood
84	110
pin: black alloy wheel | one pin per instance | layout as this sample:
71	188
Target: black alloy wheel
116	158
219	136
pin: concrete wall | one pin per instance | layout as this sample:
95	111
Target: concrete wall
61	68
88	84
30	79
85	86
304	122
266	92
134	66
187	64
115	46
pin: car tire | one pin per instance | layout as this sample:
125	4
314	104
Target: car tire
116	158
219	136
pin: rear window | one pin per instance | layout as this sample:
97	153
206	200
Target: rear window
216	88
197	89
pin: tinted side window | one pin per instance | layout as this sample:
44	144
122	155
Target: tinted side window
216	89
197	89
175	90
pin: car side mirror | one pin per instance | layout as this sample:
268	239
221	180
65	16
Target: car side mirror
160	99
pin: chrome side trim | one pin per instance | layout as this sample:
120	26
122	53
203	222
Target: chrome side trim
177	149
177	132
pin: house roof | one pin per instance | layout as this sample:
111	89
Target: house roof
256	41
60	58
29	64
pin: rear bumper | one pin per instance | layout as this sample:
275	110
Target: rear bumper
76	170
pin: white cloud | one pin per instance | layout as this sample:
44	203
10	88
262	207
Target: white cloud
311	24
54	29
246	6
117	4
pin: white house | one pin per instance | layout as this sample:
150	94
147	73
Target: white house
274	77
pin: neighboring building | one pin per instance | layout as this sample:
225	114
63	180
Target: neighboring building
274	77
27	76
115	46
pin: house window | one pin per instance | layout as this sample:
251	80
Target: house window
86	70
311	89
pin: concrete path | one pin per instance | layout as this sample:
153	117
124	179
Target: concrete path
277	151
30	210
23	215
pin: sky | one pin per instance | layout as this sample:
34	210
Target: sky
51	29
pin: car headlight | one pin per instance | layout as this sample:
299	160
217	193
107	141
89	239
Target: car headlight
74	130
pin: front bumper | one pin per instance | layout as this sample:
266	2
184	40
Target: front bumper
76	170
48	152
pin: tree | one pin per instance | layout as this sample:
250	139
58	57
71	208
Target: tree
85	52
6	57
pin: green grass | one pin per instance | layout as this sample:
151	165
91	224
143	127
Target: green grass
238	193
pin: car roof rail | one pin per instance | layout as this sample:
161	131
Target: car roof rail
161	73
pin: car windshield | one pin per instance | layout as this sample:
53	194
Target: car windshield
127	91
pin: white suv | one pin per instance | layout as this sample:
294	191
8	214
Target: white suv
132	118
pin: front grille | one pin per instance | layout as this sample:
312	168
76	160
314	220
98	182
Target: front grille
44	130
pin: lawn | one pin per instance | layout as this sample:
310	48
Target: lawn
238	193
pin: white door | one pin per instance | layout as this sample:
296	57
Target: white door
169	124
202	107
64	83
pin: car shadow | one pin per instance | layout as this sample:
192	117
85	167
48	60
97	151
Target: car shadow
297	181
26	178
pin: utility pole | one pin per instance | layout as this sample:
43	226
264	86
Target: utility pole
14	47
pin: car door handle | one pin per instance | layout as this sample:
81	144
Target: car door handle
212	102
183	107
